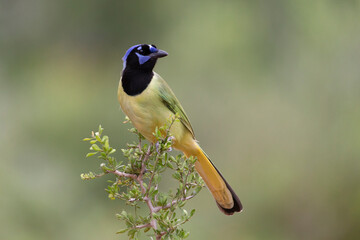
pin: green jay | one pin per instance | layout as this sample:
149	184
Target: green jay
149	102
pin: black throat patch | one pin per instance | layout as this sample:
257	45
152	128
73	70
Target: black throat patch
135	82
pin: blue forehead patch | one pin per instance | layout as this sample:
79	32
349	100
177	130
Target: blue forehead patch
127	54
153	49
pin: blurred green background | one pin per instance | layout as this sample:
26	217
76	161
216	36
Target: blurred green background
272	89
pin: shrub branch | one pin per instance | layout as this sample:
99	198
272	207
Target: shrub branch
138	180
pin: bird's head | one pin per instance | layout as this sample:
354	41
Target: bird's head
142	57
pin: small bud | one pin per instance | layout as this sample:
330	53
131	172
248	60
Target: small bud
127	119
104	167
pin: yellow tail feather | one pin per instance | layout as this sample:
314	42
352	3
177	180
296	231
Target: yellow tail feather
226	199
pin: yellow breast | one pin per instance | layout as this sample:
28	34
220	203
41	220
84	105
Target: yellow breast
145	110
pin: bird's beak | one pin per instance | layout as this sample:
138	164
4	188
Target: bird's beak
158	54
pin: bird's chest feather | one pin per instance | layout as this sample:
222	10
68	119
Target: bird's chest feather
145	110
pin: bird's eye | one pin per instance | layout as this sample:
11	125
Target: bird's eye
140	49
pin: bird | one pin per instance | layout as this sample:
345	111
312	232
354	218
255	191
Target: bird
149	102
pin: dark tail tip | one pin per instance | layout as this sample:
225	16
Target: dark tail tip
237	204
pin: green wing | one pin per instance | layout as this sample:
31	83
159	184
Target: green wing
172	103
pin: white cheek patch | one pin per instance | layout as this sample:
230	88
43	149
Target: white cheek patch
142	59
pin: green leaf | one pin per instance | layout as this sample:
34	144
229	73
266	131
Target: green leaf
132	232
100	130
169	165
95	147
123	214
122	230
176	175
91	154
128	190
97	136
152	194
105	138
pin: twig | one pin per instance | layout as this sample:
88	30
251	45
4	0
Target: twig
122	174
143	189
169	205
143	180
153	173
143	226
158	237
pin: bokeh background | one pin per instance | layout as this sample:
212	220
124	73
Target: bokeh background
272	89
